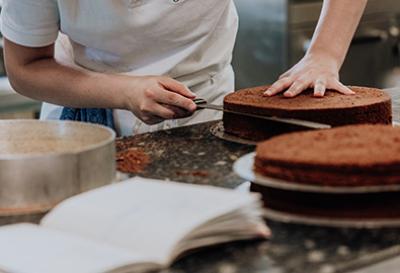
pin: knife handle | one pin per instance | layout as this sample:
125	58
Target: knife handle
203	104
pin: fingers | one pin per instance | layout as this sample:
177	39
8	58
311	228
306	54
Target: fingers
296	88
151	120
319	88
162	98
170	98
177	87
342	88
285	75
161	111
279	86
156	113
179	112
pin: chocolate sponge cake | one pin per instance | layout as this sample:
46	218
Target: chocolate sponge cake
355	155
368	105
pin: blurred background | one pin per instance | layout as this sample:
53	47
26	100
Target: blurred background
274	35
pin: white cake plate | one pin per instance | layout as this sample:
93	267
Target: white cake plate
244	168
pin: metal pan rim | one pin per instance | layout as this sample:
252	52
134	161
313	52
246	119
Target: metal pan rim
90	147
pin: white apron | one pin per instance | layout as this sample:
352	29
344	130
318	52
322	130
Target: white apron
189	40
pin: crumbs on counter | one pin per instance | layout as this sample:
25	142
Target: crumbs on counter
132	160
124	143
196	173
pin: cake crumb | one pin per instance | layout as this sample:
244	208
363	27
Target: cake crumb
132	160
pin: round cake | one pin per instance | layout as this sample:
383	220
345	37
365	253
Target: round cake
368	105
355	155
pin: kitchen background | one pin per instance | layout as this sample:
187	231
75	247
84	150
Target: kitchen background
274	35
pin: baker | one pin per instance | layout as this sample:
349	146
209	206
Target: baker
136	65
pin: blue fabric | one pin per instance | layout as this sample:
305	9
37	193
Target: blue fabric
91	115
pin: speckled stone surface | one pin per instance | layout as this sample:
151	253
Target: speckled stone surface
189	154
193	155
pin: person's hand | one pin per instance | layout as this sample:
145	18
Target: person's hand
313	71
154	99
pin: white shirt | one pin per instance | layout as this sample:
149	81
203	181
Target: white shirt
189	40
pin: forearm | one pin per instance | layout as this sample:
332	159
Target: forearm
46	80
319	69
338	22
35	73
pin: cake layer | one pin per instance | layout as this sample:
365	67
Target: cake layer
383	205
346	156
368	105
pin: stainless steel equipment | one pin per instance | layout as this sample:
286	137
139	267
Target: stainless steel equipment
275	34
44	162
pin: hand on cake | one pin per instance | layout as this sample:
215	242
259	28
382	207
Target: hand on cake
313	71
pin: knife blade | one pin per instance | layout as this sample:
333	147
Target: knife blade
203	104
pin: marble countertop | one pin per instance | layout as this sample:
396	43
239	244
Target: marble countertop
193	155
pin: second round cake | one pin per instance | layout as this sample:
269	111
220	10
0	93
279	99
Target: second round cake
356	155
